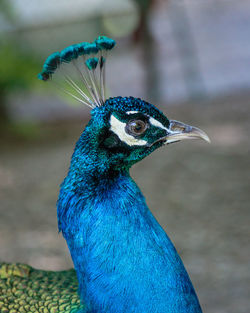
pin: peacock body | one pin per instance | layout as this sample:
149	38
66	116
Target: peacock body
123	259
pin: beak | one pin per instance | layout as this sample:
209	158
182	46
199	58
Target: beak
178	131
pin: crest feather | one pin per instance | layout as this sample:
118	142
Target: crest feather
91	69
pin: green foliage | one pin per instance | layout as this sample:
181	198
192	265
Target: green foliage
18	69
6	9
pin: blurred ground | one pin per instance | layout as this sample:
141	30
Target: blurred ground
198	192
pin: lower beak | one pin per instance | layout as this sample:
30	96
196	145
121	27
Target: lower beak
179	131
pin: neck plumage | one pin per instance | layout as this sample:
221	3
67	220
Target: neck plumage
124	260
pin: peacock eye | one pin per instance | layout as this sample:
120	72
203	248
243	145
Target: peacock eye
136	127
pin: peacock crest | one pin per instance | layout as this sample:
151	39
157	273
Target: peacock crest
88	61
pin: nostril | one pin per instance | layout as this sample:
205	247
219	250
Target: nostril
177	127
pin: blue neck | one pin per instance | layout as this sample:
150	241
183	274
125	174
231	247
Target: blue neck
124	260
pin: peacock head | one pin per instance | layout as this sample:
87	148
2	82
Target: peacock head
130	129
123	130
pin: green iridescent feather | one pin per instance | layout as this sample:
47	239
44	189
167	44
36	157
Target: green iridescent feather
25	289
72	52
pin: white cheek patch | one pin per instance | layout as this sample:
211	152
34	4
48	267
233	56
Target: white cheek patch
156	123
118	128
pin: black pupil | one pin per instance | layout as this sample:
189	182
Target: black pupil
138	127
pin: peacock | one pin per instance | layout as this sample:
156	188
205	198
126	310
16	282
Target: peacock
123	259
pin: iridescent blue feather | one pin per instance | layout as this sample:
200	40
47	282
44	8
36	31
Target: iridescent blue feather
124	260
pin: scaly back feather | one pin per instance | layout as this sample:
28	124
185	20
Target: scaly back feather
25	289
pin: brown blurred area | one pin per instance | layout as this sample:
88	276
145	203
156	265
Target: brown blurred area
191	59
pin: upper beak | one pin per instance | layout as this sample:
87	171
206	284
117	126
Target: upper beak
178	131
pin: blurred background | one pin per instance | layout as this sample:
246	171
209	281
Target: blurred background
189	57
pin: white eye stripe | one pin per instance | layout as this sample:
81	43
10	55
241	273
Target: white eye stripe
156	123
132	112
118	128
